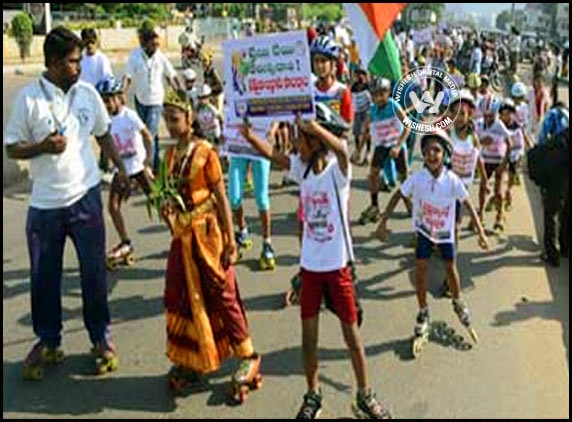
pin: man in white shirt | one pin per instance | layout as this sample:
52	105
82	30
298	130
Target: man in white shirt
514	44
95	67
145	70
51	125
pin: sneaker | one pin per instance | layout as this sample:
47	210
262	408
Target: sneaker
368	407
312	406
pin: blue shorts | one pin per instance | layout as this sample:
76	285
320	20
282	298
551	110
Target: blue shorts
237	176
425	249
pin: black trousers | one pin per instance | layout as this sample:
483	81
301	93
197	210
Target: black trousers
555	202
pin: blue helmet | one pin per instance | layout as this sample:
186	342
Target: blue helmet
109	86
555	123
325	46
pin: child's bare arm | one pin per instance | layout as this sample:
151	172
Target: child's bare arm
483	241
265	148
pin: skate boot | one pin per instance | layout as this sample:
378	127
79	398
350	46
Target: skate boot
464	316
312	406
246	379
37	359
508	204
370	215
243	242
267	260
106	359
367	406
120	254
180	379
421	332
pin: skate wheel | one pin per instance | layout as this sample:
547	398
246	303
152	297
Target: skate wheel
256	384
33	373
417	347
130	260
248	245
111	264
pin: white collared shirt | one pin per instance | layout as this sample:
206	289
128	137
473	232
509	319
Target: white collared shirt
59	180
148	76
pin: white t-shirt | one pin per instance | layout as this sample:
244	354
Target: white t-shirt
323	245
464	158
95	68
209	122
148	75
126	129
434	203
494	153
59	180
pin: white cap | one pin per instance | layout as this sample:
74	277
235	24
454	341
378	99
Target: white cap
189	74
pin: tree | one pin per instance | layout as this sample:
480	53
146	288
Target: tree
421	9
23	31
504	19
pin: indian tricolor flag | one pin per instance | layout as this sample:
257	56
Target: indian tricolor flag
370	23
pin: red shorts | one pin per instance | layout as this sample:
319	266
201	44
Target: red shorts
341	288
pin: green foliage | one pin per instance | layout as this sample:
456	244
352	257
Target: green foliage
164	189
23	28
329	12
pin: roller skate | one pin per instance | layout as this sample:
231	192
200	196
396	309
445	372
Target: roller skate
312	406
464	316
106	359
120	254
37	359
243	242
246	379
248	186
180	379
499	225
370	215
508	204
421	332
267	260
367	406
293	294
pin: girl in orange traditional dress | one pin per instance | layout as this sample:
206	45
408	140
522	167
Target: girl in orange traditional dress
206	322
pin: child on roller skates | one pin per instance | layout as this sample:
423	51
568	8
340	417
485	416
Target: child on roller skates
496	141
322	168
237	174
389	139
434	190
521	141
134	144
362	104
206	321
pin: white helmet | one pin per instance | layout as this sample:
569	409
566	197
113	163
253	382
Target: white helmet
206	91
518	90
189	74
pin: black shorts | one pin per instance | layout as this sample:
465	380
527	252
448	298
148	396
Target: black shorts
380	154
141	178
490	169
513	166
